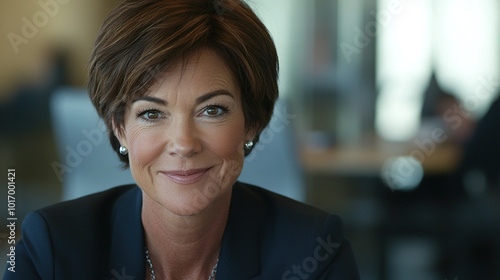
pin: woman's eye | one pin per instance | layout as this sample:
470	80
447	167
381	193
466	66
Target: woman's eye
151	115
214	111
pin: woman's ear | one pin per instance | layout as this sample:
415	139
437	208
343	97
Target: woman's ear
119	132
251	133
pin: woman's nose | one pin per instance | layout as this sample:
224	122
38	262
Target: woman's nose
183	139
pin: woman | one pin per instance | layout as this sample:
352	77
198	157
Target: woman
185	88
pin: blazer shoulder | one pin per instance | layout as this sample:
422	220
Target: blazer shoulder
73	235
290	221
296	235
282	208
101	202
82	218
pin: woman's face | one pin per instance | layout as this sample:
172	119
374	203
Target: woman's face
186	135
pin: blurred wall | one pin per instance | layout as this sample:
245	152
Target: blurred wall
31	30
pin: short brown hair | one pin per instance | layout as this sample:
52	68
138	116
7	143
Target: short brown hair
139	39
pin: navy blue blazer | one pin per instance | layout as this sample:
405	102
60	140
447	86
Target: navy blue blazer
100	236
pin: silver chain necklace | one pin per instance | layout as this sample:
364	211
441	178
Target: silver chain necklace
152	271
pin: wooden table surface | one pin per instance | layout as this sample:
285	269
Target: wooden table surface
370	160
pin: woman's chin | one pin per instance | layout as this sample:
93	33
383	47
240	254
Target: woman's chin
187	201
188	207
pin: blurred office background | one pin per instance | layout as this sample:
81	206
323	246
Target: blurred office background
388	117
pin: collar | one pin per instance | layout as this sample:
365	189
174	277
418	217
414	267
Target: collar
240	251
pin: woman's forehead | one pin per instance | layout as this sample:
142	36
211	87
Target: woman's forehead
202	71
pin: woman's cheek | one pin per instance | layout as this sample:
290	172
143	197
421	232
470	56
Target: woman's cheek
227	144
228	140
146	145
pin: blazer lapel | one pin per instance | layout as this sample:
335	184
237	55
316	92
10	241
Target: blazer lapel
239	257
240	251
126	260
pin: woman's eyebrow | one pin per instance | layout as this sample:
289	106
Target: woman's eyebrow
150	99
199	100
213	94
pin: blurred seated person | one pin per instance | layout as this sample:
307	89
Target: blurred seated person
481	154
443	109
473	238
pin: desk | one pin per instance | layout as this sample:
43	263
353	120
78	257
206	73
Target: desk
369	161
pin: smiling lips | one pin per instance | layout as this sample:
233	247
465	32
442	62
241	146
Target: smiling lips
185	177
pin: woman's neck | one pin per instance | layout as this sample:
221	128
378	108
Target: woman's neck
183	247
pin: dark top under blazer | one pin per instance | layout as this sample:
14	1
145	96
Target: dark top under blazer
101	237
